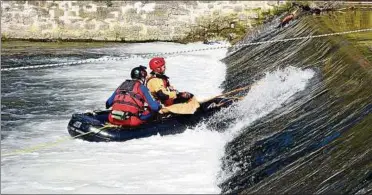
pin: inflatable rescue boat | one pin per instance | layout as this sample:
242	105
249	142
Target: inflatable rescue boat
94	126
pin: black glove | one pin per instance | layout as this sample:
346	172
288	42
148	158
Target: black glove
185	95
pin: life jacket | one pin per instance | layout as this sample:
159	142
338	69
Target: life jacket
129	103
165	80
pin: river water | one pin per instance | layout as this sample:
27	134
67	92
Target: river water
303	126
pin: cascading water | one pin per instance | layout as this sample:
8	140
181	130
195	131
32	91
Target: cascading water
319	140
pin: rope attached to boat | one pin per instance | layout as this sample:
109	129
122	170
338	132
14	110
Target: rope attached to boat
227	93
150	55
50	144
107	125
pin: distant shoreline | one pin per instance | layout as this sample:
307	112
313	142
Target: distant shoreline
355	6
85	40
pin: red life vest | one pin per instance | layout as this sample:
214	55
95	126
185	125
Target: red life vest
129	104
165	80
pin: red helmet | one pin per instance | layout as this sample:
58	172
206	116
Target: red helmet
156	63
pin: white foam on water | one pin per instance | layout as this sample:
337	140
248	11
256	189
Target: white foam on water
182	163
171	164
271	92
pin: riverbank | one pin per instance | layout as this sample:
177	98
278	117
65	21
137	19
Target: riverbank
183	22
122	21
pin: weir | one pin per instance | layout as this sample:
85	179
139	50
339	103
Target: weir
325	129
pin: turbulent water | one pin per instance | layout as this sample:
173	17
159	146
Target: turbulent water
320	139
304	126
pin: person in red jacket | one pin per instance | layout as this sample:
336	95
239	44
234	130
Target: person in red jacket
159	86
132	103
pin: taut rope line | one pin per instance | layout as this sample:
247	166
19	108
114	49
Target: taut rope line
149	55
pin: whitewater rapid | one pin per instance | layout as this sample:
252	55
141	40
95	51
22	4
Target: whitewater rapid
184	163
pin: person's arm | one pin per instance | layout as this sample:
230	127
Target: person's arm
110	101
153	104
157	87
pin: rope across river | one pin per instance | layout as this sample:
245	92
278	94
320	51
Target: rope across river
45	145
149	55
